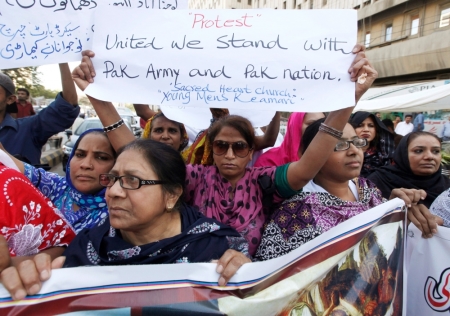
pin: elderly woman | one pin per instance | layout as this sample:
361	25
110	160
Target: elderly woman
380	141
148	223
336	194
228	191
417	166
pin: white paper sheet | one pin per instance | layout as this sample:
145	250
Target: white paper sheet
245	59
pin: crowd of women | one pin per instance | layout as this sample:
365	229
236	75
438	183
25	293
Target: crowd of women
127	201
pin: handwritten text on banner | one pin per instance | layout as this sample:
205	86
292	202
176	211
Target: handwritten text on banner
258	59
34	33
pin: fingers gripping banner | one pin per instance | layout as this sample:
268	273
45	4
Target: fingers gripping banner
355	268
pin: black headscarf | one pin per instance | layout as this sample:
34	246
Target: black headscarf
202	239
401	176
380	155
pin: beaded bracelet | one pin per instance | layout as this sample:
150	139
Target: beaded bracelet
114	126
330	131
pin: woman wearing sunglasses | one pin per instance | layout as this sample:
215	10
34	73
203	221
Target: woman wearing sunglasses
228	191
336	194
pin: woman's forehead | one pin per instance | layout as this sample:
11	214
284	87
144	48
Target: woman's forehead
163	121
349	131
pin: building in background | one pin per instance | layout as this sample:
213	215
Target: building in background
406	41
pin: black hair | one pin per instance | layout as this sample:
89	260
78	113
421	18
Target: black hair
239	123
164	160
388	123
309	134
24	90
408	115
415	135
376	122
95	132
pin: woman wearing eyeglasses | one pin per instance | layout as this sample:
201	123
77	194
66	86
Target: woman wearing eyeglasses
148	223
336	194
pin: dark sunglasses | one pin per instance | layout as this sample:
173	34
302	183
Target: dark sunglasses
240	149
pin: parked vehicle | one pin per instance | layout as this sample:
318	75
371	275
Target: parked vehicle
89	123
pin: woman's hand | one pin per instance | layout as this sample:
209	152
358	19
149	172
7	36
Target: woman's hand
229	263
26	278
5	259
361	68
418	214
84	73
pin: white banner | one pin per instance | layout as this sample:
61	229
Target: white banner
261	60
428	267
351	262
34	33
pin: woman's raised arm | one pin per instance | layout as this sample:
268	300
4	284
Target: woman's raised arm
83	75
305	169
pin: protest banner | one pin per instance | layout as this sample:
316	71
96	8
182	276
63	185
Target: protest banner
34	33
354	268
249	59
428	268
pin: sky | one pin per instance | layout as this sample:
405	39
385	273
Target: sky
51	78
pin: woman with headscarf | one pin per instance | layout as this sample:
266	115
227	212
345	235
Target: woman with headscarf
159	128
78	195
417	166
288	151
380	148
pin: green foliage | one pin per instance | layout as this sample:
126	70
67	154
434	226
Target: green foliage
445	158
27	77
40	91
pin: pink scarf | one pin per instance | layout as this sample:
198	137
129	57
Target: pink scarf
288	150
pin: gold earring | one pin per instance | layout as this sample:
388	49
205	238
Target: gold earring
169	209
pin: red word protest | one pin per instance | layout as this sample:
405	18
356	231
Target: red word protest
201	22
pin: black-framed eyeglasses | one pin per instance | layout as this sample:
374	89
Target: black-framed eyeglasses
345	144
240	149
126	182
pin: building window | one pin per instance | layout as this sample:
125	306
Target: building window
366	3
357	7
299	6
239	0
414	24
311	4
324	2
249	2
367	39
284	5
388	33
445	17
